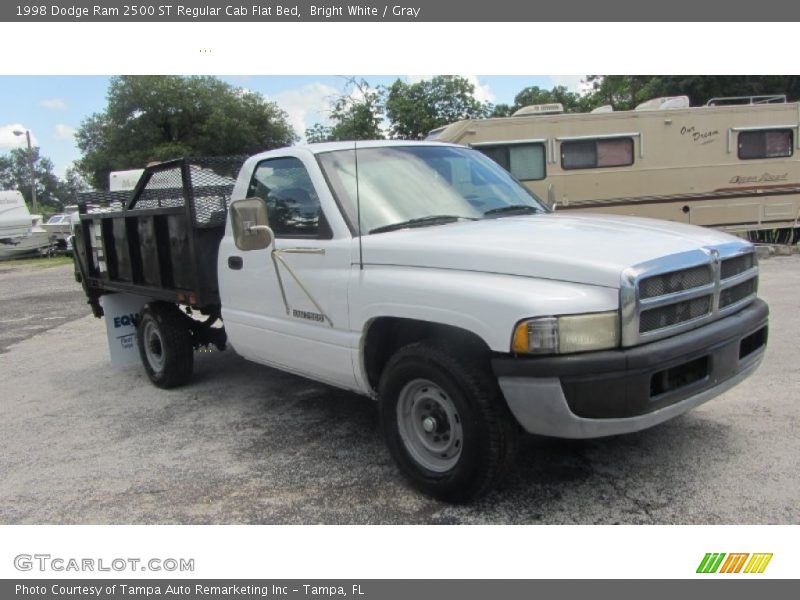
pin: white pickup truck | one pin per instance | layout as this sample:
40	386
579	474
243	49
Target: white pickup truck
425	276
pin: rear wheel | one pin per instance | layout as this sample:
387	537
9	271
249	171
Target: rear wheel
445	422
165	345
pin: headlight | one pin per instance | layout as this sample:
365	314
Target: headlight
567	334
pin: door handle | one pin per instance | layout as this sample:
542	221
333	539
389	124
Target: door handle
300	251
235	262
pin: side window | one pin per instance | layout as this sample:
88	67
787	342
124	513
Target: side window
526	162
772	143
292	202
498	154
597	154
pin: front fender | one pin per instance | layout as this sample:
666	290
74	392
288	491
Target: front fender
486	304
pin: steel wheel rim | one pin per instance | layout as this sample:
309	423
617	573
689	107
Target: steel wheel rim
153	346
429	425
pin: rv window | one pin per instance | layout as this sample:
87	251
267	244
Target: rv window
579	155
597	154
498	154
526	162
772	143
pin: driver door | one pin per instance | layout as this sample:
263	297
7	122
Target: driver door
286	306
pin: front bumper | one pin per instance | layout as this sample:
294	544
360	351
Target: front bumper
598	394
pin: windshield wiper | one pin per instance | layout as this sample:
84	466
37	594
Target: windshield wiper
511	208
421	222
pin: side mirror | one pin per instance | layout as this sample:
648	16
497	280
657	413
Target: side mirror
250	224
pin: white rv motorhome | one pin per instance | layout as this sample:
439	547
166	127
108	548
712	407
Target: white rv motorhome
732	164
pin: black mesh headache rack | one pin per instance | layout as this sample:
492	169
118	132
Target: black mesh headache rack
161	240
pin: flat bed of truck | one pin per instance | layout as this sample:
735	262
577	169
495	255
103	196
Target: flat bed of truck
164	240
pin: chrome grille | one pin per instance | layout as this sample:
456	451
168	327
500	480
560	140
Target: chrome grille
738	292
677	281
672	314
739	264
676	293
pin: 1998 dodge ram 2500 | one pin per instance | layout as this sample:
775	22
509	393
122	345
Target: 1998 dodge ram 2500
425	276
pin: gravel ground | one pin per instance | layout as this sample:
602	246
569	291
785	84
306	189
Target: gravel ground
36	298
83	443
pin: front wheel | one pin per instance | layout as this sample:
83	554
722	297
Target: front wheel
445	422
165	345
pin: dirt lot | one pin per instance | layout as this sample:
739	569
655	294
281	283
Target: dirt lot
82	443
36	297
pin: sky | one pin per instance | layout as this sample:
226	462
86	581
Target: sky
53	107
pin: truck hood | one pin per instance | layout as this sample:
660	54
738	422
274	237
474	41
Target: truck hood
586	248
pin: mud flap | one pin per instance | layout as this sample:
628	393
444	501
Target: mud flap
121	314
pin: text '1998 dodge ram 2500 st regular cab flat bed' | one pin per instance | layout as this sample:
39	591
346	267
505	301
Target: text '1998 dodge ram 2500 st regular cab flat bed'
425	276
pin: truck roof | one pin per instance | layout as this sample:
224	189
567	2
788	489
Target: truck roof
333	146
322	147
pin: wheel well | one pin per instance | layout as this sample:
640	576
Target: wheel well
386	335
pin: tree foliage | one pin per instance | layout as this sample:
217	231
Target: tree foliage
624	92
319	133
52	192
571	101
358	115
414	109
155	118
355	114
411	110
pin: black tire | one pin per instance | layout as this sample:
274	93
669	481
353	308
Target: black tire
479	415
165	345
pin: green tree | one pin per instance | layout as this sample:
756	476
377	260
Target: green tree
355	114
319	133
154	118
414	109
52	193
624	92
358	113
701	88
501	110
72	183
536	95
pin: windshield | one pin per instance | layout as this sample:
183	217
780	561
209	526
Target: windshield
414	183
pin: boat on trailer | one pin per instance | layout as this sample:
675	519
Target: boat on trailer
21	233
